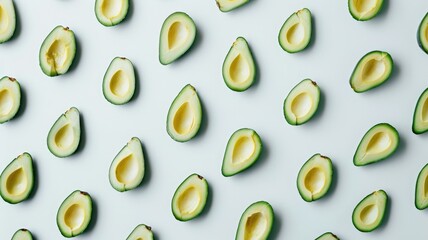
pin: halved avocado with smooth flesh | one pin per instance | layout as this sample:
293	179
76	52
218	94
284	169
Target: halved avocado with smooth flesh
295	34
315	177
377	144
177	36
302	102
17	179
363	10
184	115
420	116
229	5
421	192
10	98
57	51
141	232
190	198
423	34
111	12
7	20
64	136
369	213
22	234
239	70
242	151
127	169
74	214
256	222
372	70
119	81
327	236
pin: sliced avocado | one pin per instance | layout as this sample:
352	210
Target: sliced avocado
239	70
7	20
423	34
242	151
127	169
111	12
10	98
372	70
74	214
22	234
119	81
295	34
327	236
57	51
176	37
369	213
314	178
17	179
256	222
421	193
420	116
363	10
64	136
190	198
141	232
229	5
302	102
184	115
377	144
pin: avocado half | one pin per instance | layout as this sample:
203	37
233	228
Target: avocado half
119	81
363	10
7	20
22	234
57	51
64	136
302	102
17	179
190	198
369	213
74	214
111	12
296	32
10	98
379	142
176	37
239	69
141	232
256	222
420	115
184	115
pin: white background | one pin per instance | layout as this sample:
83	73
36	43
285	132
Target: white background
342	120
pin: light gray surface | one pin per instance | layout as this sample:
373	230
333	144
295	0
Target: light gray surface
339	43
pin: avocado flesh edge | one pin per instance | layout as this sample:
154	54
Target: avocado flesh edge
262	213
228	168
378	198
196	186
23	166
141	231
327	236
381	128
